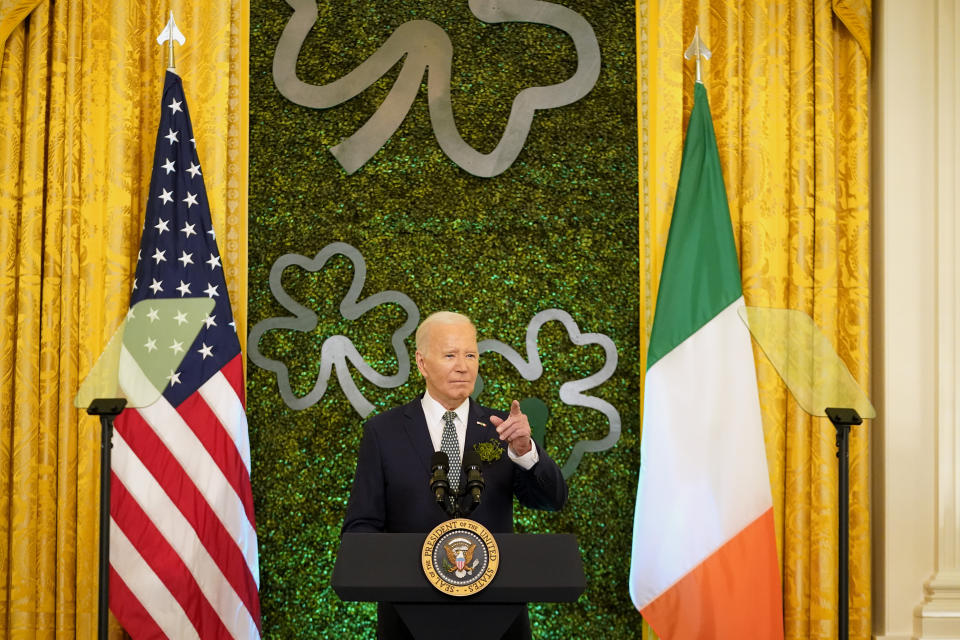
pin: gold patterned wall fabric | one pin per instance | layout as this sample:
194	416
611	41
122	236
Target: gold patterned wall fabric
788	86
80	84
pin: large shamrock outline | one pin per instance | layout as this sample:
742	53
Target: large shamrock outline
337	350
571	392
426	50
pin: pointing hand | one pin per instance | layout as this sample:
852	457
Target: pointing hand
515	430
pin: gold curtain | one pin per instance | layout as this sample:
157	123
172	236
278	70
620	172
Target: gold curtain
788	85
80	85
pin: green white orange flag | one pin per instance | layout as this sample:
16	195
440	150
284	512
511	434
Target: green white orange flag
704	560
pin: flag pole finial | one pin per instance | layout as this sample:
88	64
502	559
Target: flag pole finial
697	49
169	34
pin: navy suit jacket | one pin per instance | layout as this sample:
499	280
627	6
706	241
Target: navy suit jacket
391	488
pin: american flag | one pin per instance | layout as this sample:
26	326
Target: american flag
183	544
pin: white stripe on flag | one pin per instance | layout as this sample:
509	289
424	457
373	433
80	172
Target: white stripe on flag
180	535
223	401
705	477
144	584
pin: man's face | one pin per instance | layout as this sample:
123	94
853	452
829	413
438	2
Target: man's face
449	363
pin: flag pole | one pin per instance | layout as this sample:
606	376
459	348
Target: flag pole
169	34
108	409
697	49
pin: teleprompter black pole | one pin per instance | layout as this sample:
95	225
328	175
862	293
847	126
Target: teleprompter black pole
107	409
842	420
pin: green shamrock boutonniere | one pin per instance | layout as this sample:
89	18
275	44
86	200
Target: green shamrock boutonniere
489	451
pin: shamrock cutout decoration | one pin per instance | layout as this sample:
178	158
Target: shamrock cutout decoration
420	46
337	351
571	392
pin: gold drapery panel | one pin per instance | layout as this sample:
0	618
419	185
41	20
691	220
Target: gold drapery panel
788	90
80	85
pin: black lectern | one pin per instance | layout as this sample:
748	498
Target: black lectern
385	567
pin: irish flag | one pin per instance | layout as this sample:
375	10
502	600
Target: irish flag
704	561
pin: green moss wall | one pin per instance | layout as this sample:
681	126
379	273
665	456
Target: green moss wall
557	230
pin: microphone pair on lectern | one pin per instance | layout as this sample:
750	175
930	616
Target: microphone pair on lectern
475	484
440	484
439	466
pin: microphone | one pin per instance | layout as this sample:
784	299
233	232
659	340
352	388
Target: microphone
439	465
475	483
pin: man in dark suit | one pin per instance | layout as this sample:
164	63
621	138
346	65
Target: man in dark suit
391	486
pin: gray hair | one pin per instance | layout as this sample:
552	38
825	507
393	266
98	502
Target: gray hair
439	317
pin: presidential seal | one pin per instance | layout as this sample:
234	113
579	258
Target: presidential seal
460	557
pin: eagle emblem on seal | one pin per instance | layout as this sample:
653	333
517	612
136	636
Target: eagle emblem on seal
460	559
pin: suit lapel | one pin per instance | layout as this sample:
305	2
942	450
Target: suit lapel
415	425
479	428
